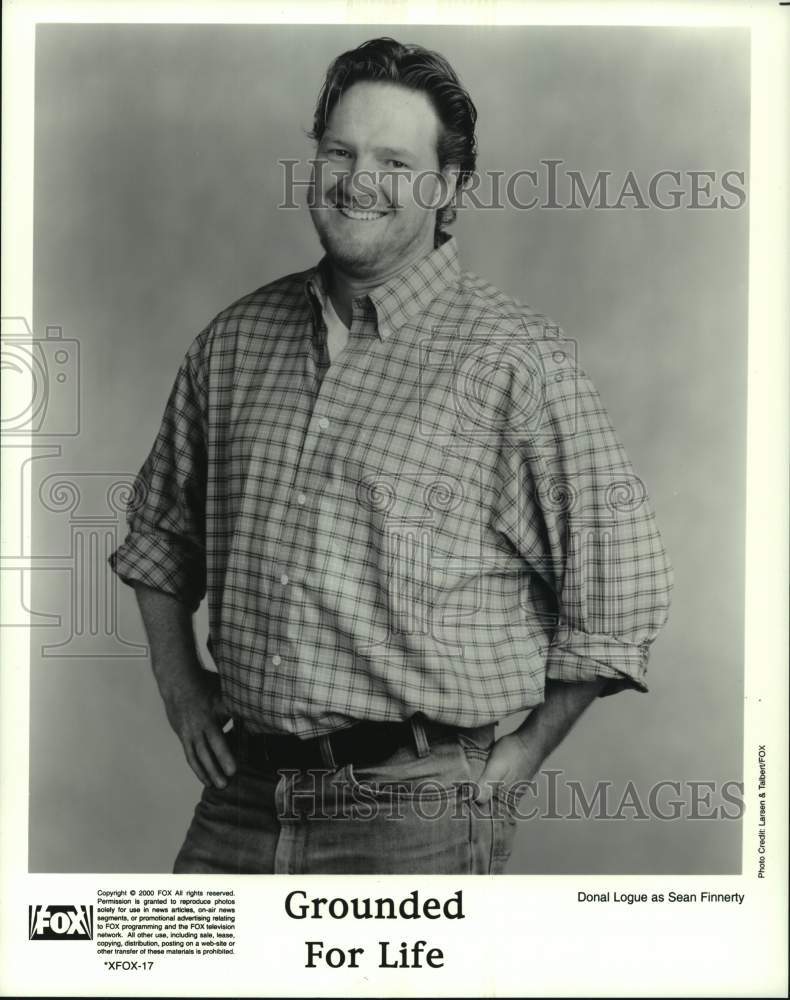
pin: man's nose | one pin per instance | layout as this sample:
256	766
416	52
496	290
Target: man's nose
362	183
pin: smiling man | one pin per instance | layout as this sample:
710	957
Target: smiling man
409	512
372	204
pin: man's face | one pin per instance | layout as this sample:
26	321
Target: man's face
370	214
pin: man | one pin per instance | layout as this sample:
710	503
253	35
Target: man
409	512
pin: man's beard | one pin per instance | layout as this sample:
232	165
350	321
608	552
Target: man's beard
365	258
353	256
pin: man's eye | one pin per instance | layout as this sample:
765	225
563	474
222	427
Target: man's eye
334	151
398	164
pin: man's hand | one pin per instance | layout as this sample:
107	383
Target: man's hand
197	714
515	759
191	694
510	765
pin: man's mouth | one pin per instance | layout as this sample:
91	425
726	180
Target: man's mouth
360	215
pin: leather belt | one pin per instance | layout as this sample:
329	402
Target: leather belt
362	744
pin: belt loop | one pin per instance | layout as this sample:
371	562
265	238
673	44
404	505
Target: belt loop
325	743
421	744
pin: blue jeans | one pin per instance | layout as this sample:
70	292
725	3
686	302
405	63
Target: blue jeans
413	813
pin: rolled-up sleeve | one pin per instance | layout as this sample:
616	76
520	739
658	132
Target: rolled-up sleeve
569	501
165	546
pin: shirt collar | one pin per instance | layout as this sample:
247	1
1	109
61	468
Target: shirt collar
404	295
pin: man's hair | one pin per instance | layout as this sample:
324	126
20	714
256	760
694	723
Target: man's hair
388	61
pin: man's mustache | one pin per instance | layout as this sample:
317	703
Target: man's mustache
360	191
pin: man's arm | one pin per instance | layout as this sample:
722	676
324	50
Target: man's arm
191	694
516	758
570	503
164	559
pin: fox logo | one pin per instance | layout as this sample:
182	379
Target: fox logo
63	922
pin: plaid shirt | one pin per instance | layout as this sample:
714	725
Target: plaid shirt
437	523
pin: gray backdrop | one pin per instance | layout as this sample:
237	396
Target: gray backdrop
156	186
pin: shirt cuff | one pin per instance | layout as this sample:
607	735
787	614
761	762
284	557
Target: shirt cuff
576	657
162	562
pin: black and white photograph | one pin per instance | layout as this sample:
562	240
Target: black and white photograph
376	461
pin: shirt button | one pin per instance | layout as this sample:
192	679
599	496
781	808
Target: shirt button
277	660
301	498
323	423
284	579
